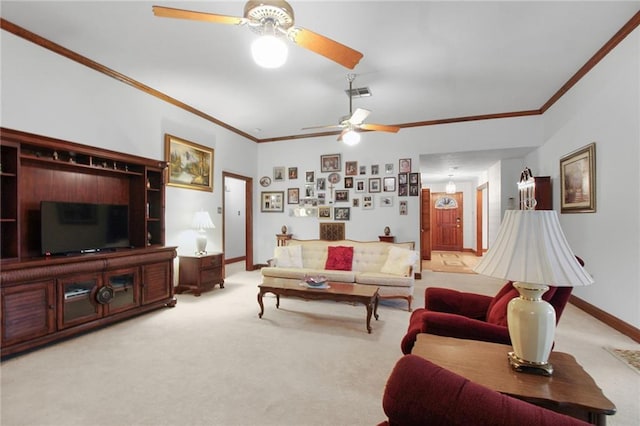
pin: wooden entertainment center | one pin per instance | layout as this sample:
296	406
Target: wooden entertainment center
46	298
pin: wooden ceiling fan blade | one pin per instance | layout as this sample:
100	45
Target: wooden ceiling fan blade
169	12
380	128
326	47
359	115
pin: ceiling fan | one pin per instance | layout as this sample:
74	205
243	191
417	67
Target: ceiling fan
273	19
350	124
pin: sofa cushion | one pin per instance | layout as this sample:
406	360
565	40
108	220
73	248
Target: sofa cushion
299	273
339	258
399	261
383	280
288	256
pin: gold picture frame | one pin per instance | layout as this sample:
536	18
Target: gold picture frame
578	181
190	164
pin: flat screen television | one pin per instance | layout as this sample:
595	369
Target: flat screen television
82	228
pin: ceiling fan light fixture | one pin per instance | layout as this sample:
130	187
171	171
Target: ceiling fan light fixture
351	137
269	51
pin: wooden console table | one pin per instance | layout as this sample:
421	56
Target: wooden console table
570	390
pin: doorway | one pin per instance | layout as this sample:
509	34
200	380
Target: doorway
237	219
446	221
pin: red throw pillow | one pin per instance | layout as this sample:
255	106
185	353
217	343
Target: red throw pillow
497	313
339	258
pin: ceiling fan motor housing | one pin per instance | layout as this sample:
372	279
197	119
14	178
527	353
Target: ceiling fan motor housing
277	13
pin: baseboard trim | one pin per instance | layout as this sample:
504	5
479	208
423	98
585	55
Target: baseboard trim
613	322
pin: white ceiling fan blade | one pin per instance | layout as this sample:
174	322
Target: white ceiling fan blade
359	116
333	126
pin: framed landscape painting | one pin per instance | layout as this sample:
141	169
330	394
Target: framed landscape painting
578	181
190	164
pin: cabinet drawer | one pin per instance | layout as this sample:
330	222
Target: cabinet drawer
211	275
210	261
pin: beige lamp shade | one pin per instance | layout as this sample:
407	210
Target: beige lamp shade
531	247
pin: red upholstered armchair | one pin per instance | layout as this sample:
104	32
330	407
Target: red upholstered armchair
471	316
419	393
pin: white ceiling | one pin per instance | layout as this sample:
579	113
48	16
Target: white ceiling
423	60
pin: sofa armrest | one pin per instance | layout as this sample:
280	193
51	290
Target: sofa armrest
452	325
470	305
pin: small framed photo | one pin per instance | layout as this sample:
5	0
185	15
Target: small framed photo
342	195
375	169
310	177
359	185
374	184
389	184
351	168
321	184
403	189
403	178
386	201
293	196
272	201
355	202
578	181
322	198
342	213
348	182
388	168
363	170
324	212
404	165
190	164
309	190
293	173
403	208
367	202
278	174
330	163
414	190
414	178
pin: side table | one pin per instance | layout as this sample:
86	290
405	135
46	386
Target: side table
198	273
387	238
570	390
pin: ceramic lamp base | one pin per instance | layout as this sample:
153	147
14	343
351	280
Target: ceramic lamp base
523	366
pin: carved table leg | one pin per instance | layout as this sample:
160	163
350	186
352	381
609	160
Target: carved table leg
369	311
375	307
260	303
277	301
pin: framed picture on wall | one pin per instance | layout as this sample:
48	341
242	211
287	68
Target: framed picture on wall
190	164
330	163
341	213
271	201
578	181
375	184
293	195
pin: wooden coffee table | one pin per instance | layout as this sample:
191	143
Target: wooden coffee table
570	390
339	292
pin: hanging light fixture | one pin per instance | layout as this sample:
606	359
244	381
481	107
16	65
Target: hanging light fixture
351	137
269	50
451	187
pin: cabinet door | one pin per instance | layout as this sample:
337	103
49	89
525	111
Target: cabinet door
157	282
76	300
125	284
28	312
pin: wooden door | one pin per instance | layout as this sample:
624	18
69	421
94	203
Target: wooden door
446	220
425	224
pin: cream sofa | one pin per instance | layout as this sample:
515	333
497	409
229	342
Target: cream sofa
389	266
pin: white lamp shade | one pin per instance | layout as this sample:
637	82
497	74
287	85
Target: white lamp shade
531	247
202	220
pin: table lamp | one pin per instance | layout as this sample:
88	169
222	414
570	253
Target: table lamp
532	251
201	221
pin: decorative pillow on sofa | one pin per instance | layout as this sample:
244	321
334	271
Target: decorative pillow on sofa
288	256
399	260
497	311
339	258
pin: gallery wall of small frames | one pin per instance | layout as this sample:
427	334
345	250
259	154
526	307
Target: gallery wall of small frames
330	192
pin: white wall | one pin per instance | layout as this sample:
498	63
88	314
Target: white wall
604	107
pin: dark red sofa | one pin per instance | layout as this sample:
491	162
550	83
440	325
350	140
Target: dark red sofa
420	393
